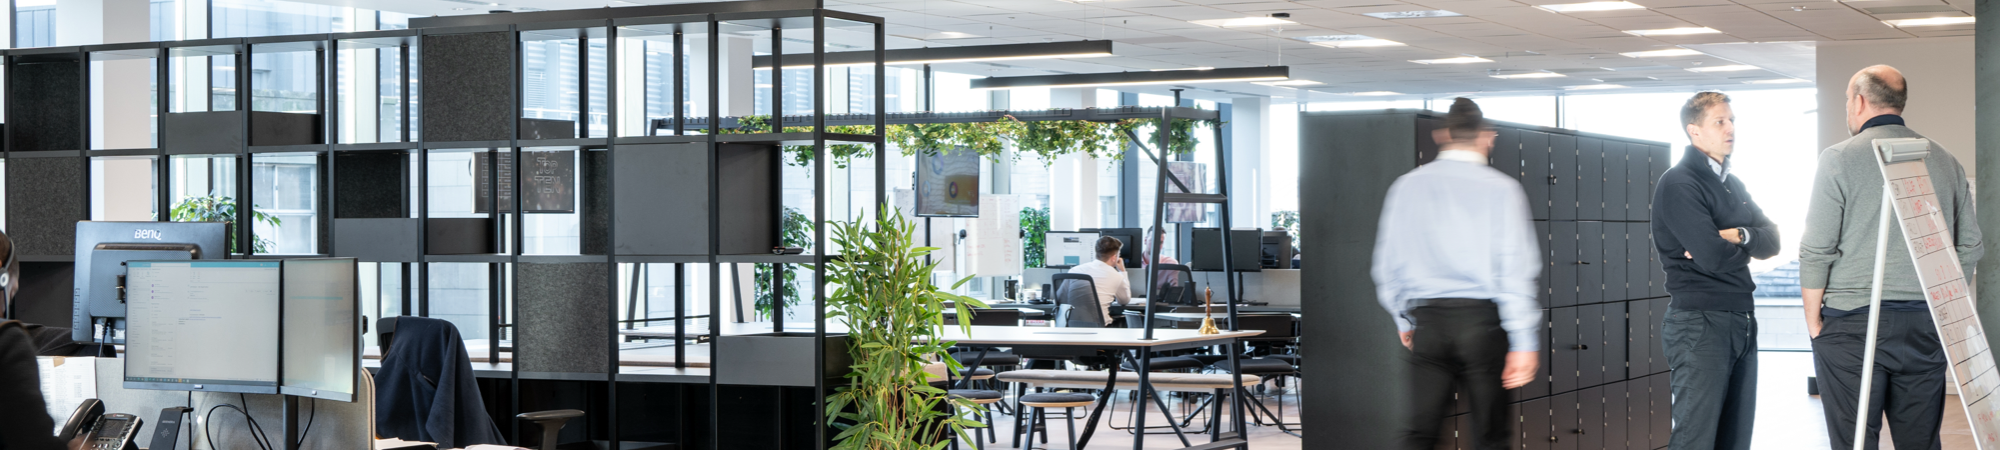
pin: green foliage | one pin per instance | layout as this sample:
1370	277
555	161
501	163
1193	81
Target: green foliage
796	232
895	320
216	208
1035	223
1289	220
802	155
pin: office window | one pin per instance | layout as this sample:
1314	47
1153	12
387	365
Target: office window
285	189
34	23
1533	110
251	18
1281	174
165	27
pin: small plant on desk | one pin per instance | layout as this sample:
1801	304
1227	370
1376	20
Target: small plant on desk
895	321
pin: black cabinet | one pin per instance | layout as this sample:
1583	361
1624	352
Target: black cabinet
1535	174
1506	156
1661	399
1639	183
1639	334
1535	425
1590	262
1615	181
1616	234
1447	437
1659	356
1590	418
1616	345
1563	339
1564	258
1638	251
1563	422
1590	345
1590	178
1548	262
1616	417
1563	185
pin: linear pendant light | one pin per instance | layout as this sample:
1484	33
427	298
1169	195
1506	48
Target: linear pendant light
939	55
1272	73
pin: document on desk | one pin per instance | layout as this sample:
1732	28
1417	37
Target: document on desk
66	382
394	444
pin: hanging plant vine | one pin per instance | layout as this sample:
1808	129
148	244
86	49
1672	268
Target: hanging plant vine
1046	139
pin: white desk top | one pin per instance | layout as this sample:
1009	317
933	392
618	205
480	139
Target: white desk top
1098	337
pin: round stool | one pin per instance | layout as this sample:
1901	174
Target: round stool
979	397
1039	403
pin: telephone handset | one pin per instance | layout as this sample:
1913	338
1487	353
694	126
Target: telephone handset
100	431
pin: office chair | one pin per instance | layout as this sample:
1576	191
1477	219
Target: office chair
424	364
1079	302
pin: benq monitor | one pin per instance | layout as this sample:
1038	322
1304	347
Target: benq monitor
103	248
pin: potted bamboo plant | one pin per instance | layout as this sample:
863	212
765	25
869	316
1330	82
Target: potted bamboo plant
895	320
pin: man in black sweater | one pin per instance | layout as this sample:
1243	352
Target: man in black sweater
1706	229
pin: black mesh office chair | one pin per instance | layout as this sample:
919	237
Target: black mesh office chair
1079	305
424	363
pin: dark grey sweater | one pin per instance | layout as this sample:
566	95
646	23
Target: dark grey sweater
1691	206
1837	252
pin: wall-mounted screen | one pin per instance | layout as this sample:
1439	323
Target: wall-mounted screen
948	184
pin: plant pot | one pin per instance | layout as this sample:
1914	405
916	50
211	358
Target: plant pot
778	359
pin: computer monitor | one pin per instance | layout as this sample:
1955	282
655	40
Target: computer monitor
102	248
1127	236
208	326
948	184
322	332
1065	249
1244	244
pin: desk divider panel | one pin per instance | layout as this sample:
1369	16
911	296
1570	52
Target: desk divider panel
468	88
561	309
673	222
45	106
45	199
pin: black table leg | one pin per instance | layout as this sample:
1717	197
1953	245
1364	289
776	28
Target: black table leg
1144	367
1103	398
1236	401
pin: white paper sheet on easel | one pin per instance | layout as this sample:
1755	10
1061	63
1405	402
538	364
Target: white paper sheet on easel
66	382
993	246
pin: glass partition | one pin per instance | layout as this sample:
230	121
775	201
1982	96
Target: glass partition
123	99
285	193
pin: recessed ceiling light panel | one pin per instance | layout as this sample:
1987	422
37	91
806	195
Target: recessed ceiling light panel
1776	81
1458	60
1728	68
1663	53
1929	21
1592	87
1527	75
1242	22
1590	6
1185	68
941	55
1348	41
1673	31
1240	74
1376	93
1289	83
1413	14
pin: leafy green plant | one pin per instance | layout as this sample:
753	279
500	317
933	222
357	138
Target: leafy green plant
895	321
796	231
216	208
1289	220
802	155
1035	223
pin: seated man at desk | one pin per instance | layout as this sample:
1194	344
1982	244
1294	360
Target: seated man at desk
1108	273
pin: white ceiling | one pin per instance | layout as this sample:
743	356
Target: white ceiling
1775	35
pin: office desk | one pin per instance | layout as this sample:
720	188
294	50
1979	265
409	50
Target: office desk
1118	342
1025	312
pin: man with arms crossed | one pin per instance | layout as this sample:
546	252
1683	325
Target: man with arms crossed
1706	229
1455	265
1837	272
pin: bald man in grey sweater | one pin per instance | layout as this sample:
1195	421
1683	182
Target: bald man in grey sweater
1837	268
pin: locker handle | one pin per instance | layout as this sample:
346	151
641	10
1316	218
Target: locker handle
1552	438
1581	347
1583	262
1552	179
1579	431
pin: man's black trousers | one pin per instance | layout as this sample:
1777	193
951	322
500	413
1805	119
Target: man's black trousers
1457	342
1908	382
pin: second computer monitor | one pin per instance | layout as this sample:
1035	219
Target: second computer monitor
322	334
203	325
1207	250
1127	236
1064	250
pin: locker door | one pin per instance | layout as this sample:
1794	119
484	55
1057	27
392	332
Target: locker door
1616	345
1590	415
1615	260
1590	178
1535	422
1616	431
1563	166
1542	234
1447	437
1463	428
1460	403
1657	272
1639	416
1563	258
1639	192
1535	173
1427	147
1615	180
1519	425
1539	387
1506	155
1590	345
1564	423
1659	356
1590	262
1638	248
1662	406
1639	333
1563	340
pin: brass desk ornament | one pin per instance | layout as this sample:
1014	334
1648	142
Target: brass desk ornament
1208	320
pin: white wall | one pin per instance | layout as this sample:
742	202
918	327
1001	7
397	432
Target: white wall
1940	76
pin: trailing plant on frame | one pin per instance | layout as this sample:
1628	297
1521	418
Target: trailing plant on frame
895	321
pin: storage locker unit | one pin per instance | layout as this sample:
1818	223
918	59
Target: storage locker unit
1602	382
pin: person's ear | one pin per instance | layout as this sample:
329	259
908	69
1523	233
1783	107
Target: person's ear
1441	136
1693	130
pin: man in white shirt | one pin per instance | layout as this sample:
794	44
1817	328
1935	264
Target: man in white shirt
1108	273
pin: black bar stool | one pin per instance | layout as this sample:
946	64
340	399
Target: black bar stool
1038	405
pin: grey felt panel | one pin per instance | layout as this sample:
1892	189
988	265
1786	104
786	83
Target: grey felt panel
468	88
665	209
371	185
1369	151
747	177
596	210
376	240
45	199
45	107
564	318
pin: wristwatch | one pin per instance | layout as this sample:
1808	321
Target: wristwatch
1743	235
